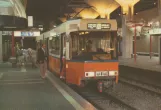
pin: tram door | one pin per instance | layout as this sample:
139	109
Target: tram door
61	52
46	42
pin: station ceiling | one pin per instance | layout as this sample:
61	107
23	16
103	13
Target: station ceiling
51	9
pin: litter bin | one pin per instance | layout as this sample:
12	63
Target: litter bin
13	61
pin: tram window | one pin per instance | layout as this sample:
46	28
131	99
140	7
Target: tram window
94	43
54	46
75	45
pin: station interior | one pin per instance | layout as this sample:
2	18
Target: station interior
80	55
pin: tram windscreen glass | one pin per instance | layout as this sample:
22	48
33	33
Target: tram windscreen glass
94	46
54	46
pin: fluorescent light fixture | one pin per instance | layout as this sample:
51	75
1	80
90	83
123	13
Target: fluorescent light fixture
10	27
5	4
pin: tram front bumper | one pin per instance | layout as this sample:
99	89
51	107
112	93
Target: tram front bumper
100	78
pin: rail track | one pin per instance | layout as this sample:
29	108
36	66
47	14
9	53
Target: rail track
103	101
151	88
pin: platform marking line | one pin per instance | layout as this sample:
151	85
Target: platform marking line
1	75
14	71
21	83
21	80
72	101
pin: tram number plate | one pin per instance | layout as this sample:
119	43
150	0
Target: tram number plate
102	73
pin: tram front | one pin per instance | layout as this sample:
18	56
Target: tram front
93	53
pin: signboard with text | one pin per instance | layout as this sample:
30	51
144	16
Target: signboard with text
26	33
155	31
7	33
98	26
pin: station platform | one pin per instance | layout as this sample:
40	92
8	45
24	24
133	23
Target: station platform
145	70
142	62
28	91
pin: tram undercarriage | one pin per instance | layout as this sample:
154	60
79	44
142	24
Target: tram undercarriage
102	84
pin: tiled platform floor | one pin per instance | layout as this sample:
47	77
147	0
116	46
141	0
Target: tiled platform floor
142	62
28	91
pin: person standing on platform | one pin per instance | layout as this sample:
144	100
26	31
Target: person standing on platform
41	58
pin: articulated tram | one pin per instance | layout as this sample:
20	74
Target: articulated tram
84	50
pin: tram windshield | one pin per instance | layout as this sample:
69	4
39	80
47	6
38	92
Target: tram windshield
94	46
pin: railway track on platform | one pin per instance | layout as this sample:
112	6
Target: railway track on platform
151	88
103	101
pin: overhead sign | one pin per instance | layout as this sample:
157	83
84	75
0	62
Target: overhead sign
26	33
145	30
155	31
30	21
7	33
98	26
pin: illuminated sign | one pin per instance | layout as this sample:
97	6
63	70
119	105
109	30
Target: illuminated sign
98	26
26	33
155	31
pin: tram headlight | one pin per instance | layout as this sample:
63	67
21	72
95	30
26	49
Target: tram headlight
89	74
113	73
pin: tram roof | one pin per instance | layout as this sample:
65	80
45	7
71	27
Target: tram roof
82	25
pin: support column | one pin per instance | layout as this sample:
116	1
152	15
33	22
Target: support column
159	38
159	7
1	56
150	47
127	39
103	16
128	12
108	16
13	45
159	49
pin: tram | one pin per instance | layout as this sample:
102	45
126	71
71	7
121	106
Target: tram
84	50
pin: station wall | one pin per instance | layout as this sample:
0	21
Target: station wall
143	45
146	15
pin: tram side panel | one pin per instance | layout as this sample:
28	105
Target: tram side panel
54	64
74	72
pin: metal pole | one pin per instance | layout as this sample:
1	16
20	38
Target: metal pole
135	45
22	41
13	43
150	46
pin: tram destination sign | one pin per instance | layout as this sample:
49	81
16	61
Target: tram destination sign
98	26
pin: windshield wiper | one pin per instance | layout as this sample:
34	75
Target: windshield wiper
99	58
